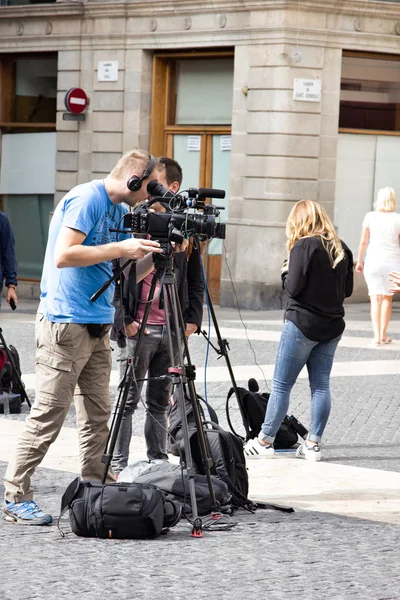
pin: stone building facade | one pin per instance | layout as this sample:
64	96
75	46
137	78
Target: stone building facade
282	149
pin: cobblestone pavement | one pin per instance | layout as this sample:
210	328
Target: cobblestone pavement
269	554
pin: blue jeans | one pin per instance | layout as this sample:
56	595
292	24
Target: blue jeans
296	350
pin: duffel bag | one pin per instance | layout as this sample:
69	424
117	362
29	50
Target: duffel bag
119	511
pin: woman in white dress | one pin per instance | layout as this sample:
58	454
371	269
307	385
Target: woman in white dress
380	237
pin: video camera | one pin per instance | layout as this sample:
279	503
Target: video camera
186	214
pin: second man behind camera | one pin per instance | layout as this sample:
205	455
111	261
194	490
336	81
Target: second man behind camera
154	357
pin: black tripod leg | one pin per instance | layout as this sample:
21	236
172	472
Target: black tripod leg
15	372
117	419
203	442
139	337
179	325
177	379
124	387
224	347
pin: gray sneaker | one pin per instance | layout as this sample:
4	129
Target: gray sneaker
309	452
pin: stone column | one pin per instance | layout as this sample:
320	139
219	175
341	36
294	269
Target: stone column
137	99
67	158
282	151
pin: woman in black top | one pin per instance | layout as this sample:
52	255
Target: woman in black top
317	278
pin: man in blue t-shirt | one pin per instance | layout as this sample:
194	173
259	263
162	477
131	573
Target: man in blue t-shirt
72	345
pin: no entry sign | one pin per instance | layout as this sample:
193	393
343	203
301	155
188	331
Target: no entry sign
76	100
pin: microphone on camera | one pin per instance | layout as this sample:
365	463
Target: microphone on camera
211	193
253	385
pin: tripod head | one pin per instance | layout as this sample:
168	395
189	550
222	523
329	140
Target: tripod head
164	262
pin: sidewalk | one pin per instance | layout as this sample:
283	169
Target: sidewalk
342	541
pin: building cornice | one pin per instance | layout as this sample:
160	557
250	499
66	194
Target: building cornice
355	24
161	8
42	11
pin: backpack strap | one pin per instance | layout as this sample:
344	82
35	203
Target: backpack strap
172	513
66	500
242	393
253	506
211	412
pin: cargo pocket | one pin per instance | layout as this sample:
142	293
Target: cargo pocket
53	360
55	378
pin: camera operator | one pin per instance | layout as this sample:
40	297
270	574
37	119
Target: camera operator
154	356
72	345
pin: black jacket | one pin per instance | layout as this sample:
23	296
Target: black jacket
315	291
8	261
189	278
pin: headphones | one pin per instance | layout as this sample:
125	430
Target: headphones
135	183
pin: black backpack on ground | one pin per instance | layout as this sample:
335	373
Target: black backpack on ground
10	378
118	511
175	435
254	406
174	482
226	451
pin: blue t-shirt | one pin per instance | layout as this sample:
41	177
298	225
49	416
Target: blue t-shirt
66	292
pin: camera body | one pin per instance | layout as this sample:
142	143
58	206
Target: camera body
184	216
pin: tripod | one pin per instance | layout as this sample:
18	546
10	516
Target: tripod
179	373
222	350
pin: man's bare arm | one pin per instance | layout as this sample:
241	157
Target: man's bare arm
69	251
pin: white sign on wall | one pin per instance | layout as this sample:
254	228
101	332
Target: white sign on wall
193	143
225	143
107	70
307	90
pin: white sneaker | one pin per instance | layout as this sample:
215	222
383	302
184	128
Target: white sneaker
253	449
309	452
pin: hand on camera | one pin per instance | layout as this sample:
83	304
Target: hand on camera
137	248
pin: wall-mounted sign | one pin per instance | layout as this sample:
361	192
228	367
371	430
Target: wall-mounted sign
73	117
307	90
225	143
193	143
76	100
107	70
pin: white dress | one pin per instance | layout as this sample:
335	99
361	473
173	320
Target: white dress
383	252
